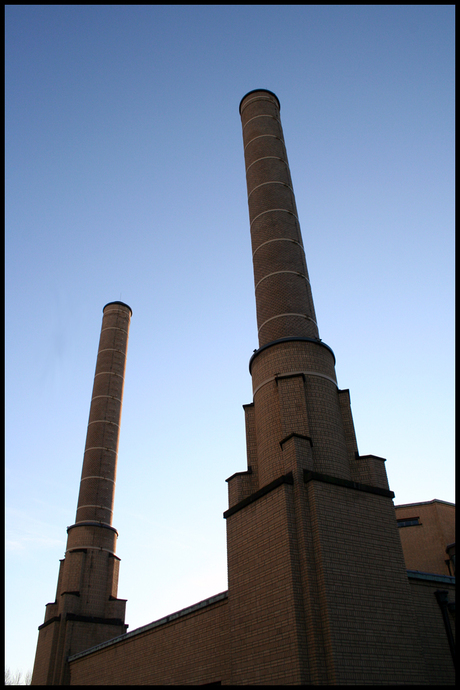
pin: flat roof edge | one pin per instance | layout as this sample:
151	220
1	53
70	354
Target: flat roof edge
424	503
434	577
155	624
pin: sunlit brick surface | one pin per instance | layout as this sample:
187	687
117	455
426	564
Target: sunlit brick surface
193	650
314	411
424	544
283	295
97	488
318	591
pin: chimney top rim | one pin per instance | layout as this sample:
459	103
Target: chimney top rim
254	91
123	304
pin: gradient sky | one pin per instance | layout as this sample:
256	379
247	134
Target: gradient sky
125	181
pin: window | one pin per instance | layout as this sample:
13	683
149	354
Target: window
408	522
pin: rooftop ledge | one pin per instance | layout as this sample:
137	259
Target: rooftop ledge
150	626
434	577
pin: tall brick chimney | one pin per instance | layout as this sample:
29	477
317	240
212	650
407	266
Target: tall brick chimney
283	293
86	611
318	590
290	350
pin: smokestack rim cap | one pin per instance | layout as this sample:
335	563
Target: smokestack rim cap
123	304
266	91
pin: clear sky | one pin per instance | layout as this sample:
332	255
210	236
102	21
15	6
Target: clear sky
125	181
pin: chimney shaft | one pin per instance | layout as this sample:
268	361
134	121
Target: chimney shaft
97	486
283	295
86	610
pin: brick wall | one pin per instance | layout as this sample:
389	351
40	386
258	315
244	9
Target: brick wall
189	650
265	595
430	629
363	588
318	590
424	545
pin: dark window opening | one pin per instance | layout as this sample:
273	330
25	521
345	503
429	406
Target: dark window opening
408	522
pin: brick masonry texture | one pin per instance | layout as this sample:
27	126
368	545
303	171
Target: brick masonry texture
191	650
437	662
283	295
318	587
97	486
314	411
425	544
88	575
359	559
265	593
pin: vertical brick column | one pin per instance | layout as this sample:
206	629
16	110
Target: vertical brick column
86	610
97	486
283	294
317	586
289	344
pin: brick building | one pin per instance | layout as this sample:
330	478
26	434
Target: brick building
427	532
319	586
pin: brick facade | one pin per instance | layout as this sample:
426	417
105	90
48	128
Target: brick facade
154	654
427	530
318	587
437	659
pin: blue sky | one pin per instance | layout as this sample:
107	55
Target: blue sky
125	180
